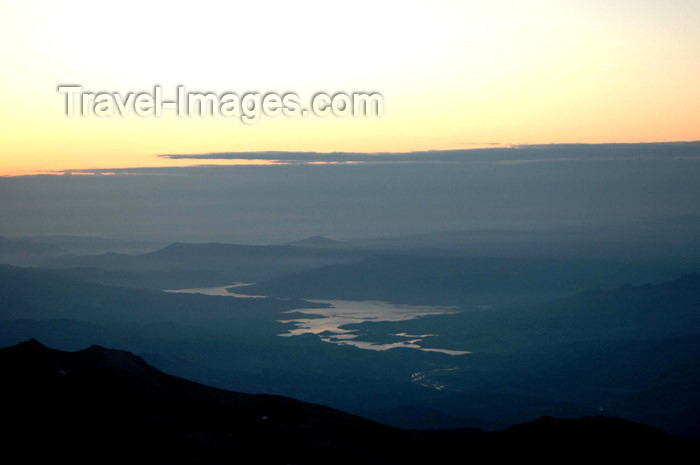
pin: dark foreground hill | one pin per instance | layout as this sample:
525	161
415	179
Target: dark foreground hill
108	406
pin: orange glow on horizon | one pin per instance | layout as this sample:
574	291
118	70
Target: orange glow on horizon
454	75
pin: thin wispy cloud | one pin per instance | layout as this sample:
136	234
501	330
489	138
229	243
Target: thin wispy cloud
501	154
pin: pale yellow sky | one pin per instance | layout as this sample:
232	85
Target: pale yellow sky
453	74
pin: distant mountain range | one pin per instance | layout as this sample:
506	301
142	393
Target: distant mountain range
653	238
84	244
319	242
464	281
649	238
26	253
33	294
231	262
106	406
667	244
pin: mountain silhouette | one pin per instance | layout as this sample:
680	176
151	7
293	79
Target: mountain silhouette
108	406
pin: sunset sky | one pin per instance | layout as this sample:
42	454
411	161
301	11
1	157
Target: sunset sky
453	74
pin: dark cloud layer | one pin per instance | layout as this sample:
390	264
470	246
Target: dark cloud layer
493	154
485	188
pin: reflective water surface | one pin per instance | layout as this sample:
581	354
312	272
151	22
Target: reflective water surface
332	326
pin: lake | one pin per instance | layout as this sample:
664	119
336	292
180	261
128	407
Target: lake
332	326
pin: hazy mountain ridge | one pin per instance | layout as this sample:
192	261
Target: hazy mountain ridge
668	309
646	238
36	294
319	242
25	253
159	280
90	245
458	280
226	262
664	240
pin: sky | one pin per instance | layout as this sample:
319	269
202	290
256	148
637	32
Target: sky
452	74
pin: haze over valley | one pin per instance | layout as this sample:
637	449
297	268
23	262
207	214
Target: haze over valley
480	328
367	232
